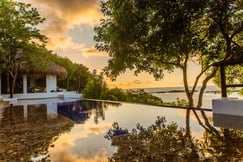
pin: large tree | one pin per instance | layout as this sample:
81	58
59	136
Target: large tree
20	40
163	35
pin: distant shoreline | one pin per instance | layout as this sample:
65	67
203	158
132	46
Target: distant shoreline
183	91
209	89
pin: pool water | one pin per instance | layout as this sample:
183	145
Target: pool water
74	131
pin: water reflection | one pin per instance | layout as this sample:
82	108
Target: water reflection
80	111
27	137
27	131
164	141
77	112
74	131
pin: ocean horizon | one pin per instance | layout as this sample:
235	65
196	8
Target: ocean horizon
179	89
171	94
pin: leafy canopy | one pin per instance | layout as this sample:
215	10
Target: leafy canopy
148	36
162	35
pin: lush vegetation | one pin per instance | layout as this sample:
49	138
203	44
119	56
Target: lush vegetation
163	141
162	35
78	74
22	44
96	88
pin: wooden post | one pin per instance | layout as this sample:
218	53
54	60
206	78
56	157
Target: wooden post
223	81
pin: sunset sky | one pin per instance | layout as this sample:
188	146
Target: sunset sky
69	26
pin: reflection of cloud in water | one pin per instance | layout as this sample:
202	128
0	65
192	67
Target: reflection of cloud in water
66	148
65	156
96	130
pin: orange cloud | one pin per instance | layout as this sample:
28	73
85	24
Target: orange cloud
128	84
65	155
66	147
62	16
93	51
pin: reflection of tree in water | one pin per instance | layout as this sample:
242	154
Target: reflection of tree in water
226	146
168	142
80	111
159	142
24	138
99	108
220	144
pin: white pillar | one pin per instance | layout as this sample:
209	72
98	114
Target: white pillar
25	84
51	83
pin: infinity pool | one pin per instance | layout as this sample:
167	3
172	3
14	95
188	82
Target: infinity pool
74	131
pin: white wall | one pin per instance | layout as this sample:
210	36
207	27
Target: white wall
51	83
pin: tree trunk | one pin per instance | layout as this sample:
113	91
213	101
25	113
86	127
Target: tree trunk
12	84
13	76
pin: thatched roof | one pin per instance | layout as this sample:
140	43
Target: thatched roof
52	68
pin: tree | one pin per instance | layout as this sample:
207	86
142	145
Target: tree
77	76
95	86
162	35
163	141
158	142
21	42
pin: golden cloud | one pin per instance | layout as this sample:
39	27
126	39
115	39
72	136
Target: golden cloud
63	146
62	16
128	84
65	155
93	51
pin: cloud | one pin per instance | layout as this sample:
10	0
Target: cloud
128	84
137	82
65	155
77	146
64	15
93	51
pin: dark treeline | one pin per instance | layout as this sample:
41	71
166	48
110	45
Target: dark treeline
96	88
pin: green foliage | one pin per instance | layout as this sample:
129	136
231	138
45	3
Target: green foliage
140	96
178	102
161	35
114	94
95	87
21	42
159	142
78	74
164	141
233	76
147	36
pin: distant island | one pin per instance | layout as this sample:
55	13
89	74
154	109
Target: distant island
209	89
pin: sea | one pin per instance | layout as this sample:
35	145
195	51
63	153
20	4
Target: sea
170	94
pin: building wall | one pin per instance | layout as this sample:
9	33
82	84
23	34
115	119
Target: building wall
51	83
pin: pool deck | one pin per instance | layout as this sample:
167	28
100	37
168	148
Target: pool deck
27	96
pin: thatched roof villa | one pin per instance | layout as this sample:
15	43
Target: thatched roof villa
38	82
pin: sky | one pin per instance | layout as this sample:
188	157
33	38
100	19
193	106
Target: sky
69	27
